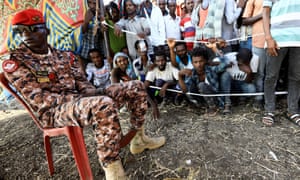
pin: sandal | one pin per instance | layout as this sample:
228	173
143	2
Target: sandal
268	119
295	118
227	109
212	111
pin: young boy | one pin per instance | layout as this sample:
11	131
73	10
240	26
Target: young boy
98	71
142	63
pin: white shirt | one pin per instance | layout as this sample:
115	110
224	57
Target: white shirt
169	74
139	69
157	26
172	27
100	76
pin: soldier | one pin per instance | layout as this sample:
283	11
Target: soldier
54	85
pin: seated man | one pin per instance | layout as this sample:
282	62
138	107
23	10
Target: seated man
56	88
203	78
241	73
163	75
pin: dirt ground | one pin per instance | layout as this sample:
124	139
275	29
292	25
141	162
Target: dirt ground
198	147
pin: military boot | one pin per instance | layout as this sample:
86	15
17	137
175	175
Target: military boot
115	171
140	142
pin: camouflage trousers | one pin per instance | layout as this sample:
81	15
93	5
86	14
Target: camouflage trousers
102	113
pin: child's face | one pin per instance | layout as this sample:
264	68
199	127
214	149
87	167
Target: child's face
122	62
96	59
199	63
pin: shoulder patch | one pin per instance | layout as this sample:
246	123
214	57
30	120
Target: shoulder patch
72	58
10	66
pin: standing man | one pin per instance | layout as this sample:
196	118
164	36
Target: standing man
187	28
253	17
89	39
172	21
154	17
131	22
55	87
281	21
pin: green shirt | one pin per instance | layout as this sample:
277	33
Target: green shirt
116	42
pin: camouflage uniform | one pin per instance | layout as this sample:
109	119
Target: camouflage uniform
54	87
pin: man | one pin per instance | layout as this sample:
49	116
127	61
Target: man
162	7
253	16
187	28
220	21
280	21
172	21
55	87
131	22
163	75
202	78
179	55
89	39
155	19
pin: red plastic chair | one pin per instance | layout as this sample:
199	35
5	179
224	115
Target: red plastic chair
74	134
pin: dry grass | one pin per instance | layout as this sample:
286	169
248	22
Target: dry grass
198	147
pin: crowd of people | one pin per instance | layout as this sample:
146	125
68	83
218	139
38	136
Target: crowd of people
133	52
159	44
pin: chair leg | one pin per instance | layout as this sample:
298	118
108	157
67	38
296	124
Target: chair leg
80	153
48	151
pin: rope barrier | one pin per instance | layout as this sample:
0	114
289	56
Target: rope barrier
217	95
193	41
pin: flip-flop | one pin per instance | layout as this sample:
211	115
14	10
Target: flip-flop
295	118
268	119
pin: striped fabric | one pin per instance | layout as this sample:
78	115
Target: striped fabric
188	31
63	18
285	21
213	23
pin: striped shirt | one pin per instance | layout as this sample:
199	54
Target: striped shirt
285	21
188	31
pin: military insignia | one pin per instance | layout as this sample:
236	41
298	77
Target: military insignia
43	79
72	59
36	18
10	66
42	73
52	76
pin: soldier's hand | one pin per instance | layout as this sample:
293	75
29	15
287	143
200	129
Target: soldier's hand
100	91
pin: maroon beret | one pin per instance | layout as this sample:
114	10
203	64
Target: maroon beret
28	17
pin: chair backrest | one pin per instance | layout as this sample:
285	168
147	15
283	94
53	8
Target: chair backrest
6	85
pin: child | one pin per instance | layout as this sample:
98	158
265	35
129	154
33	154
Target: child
141	64
98	71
